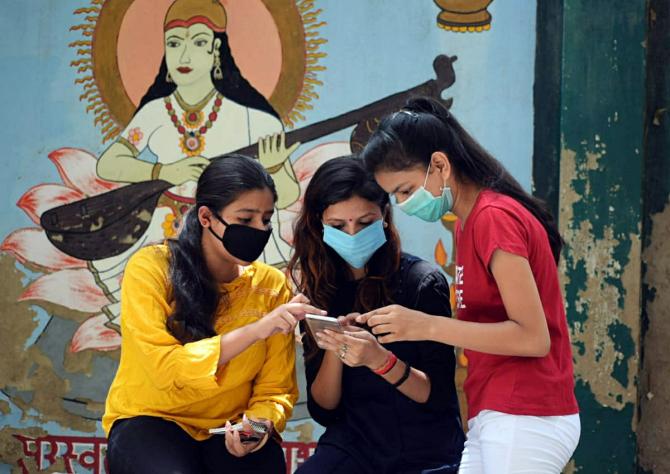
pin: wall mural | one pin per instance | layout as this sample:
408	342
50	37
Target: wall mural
464	15
309	79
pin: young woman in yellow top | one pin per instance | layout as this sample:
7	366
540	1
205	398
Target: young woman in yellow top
207	338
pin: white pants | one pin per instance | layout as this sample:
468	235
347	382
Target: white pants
499	443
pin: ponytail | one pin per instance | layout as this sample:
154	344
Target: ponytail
195	295
408	138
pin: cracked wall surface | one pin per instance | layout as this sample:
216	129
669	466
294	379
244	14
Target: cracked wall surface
601	218
654	429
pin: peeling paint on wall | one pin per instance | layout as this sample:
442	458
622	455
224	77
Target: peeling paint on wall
29	369
27	374
10	449
601	174
655	386
605	290
601	280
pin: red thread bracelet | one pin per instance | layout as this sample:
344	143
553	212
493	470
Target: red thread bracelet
388	365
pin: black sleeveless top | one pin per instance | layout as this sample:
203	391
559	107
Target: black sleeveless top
376	424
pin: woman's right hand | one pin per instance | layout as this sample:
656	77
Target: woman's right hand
355	347
187	169
285	317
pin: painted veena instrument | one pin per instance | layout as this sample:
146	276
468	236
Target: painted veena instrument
106	225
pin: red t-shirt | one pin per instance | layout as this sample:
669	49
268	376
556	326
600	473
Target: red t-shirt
540	386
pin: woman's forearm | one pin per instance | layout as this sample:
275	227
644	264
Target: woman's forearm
417	385
237	341
327	386
504	338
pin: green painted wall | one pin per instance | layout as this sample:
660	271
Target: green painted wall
601	126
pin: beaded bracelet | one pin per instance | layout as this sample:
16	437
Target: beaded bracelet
404	377
388	365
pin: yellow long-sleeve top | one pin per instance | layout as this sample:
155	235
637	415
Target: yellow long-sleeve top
158	376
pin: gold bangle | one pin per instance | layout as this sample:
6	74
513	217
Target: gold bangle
155	171
275	168
131	148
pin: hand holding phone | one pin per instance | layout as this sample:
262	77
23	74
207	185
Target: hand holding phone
251	434
318	323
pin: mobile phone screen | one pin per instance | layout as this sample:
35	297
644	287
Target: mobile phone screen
319	323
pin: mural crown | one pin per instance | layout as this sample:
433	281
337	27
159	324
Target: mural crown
184	13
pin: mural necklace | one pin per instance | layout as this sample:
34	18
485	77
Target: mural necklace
192	141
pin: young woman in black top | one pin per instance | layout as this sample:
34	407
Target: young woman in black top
387	408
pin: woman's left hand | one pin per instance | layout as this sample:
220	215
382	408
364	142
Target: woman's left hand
355	347
272	150
396	323
234	439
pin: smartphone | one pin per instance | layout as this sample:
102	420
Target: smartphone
258	430
318	323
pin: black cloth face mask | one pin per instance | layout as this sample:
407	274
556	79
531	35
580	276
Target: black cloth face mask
243	242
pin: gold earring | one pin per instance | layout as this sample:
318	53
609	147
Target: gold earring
168	77
218	73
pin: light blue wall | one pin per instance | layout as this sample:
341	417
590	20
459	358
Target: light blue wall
375	48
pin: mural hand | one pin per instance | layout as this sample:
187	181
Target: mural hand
272	151
187	169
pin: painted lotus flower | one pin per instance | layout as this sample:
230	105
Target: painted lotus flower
66	281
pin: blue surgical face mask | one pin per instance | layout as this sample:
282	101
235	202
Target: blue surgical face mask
356	249
424	205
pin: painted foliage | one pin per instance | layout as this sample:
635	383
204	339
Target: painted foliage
145	98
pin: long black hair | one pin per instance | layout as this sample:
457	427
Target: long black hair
408	138
233	85
315	268
195	293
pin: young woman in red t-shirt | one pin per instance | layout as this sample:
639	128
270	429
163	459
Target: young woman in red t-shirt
523	415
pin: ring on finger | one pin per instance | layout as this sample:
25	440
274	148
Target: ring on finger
343	351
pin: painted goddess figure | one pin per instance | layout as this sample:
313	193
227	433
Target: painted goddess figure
199	106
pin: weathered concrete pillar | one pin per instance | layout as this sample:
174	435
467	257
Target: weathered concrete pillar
653	428
600	199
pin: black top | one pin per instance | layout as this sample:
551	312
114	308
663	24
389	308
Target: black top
376	424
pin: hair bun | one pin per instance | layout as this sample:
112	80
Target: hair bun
427	105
